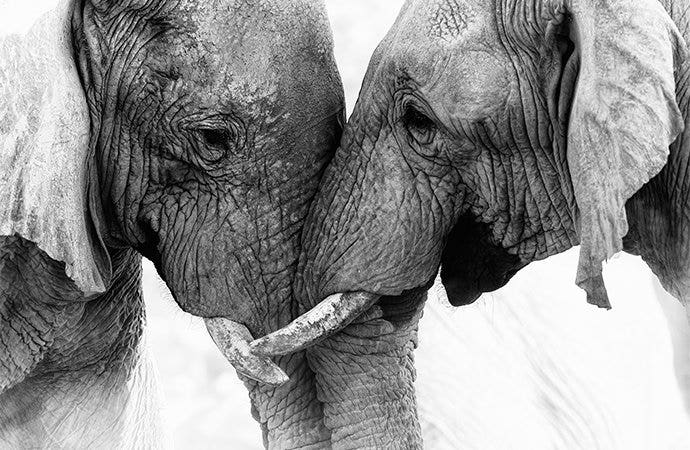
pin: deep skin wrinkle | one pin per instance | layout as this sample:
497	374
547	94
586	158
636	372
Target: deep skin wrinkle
210	129
63	339
216	193
456	154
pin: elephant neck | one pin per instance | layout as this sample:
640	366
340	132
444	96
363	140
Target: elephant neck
72	370
108	333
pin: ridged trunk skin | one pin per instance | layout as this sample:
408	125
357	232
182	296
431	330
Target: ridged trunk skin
369	400
365	374
365	380
290	416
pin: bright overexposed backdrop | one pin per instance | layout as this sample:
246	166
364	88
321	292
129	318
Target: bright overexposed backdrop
532	366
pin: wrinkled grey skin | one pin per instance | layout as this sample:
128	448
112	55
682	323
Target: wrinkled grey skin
211	125
466	152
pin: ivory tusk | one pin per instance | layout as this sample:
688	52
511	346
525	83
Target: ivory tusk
325	319
233	340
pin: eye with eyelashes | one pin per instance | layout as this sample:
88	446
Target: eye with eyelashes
420	126
218	139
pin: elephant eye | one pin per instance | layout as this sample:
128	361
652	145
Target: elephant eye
216	137
218	142
421	128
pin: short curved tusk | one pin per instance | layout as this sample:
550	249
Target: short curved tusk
325	319
233	340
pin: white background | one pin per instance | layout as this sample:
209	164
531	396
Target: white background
532	366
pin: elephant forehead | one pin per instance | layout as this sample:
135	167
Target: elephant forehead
447	19
257	44
430	33
450	49
444	21
474	84
282	28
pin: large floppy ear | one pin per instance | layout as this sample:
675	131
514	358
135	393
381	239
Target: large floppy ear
47	194
623	119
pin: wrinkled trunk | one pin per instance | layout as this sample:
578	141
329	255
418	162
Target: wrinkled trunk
367	233
365	379
365	374
290	415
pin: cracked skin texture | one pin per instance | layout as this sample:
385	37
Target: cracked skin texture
528	128
66	361
207	129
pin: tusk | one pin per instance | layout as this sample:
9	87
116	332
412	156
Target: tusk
233	340
324	320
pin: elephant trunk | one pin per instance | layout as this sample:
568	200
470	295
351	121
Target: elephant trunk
365	381
364	374
362	335
290	415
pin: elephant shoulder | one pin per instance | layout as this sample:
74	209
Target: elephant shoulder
36	299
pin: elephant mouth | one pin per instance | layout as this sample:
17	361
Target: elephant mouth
403	308
465	290
473	264
337	312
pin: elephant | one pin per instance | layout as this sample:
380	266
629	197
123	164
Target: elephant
487	135
190	133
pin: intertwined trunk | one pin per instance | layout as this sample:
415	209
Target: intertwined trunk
365	379
365	374
290	416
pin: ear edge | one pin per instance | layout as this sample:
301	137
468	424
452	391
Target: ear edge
43	108
636	159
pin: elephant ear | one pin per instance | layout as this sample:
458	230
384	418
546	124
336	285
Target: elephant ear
45	161
623	119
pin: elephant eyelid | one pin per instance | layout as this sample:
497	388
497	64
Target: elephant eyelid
420	126
217	138
414	118
217	131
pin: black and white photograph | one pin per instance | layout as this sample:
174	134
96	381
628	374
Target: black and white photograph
345	224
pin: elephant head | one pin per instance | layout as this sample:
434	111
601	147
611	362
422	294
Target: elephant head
192	132
487	135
